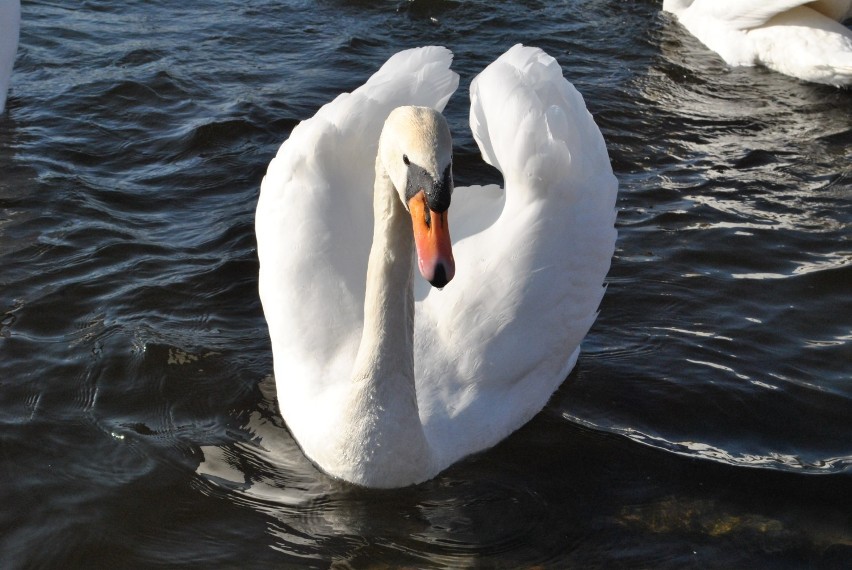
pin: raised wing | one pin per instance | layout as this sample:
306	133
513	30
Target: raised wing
530	264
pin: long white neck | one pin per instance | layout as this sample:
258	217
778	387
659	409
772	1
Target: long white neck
385	444
386	348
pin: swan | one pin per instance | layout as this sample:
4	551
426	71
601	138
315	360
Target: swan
10	24
796	37
385	378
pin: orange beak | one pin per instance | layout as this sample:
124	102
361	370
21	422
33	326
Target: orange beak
432	241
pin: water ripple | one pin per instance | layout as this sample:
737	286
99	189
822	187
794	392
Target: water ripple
138	417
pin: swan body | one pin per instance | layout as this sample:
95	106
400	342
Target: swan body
10	24
383	379
800	38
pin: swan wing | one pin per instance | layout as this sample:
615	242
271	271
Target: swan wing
314	226
530	261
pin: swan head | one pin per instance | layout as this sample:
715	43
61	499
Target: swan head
416	150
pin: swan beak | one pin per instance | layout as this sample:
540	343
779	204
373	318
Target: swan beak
432	241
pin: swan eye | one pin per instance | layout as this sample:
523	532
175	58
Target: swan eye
405	159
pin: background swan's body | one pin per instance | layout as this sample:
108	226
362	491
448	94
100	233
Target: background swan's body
492	346
795	37
10	22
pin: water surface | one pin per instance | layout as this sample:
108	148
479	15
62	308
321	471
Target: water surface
708	422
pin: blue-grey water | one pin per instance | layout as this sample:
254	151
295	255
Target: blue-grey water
708	423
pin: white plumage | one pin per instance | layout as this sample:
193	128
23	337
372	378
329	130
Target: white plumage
801	38
10	23
490	347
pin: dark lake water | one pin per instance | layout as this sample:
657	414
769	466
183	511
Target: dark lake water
708	423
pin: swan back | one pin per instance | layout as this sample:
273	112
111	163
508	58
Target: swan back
10	23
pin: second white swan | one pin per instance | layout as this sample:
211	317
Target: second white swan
800	38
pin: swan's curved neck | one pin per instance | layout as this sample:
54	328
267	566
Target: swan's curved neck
385	433
387	340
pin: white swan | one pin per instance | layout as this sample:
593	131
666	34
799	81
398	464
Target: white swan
795	37
10	23
383	380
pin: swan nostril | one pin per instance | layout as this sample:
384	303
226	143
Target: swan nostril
439	279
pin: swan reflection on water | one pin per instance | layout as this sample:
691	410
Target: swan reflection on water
450	520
